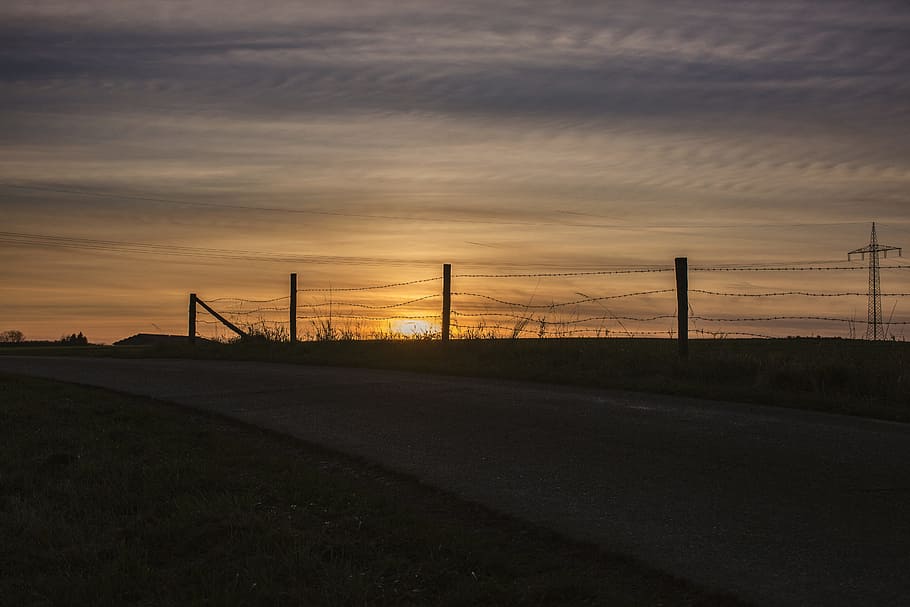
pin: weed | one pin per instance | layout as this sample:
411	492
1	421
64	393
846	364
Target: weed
264	330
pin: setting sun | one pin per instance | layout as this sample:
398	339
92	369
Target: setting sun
414	328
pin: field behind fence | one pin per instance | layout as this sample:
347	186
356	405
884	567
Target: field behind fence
827	299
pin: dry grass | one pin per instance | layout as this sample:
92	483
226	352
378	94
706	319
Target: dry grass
113	500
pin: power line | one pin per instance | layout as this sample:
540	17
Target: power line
738	225
181	251
639	227
173	250
374	216
113	246
267	209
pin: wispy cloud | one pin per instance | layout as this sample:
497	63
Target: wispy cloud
631	60
535	127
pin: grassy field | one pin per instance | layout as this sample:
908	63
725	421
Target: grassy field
863	378
107	499
854	377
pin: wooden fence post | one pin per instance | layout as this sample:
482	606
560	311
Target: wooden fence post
682	304
293	305
446	299
191	332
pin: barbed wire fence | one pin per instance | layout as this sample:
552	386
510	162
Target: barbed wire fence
262	317
780	320
625	302
581	311
393	310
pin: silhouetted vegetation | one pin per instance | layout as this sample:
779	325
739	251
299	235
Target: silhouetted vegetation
74	340
112	500
12	337
844	376
17	338
837	375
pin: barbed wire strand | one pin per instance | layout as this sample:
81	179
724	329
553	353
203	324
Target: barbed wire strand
242	300
576	321
561	304
386	286
482	328
254	311
360	305
724	333
373	318
771	318
801	293
789	268
564	274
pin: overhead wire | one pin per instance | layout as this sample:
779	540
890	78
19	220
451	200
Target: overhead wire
548	221
215	253
18	238
259	208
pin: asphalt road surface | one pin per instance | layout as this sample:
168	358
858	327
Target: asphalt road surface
779	507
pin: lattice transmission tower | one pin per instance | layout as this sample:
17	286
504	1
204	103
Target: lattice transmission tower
874	328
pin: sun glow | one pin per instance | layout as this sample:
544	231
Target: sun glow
414	328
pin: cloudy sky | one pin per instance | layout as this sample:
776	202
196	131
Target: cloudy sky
151	150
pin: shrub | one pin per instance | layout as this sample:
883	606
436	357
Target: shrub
12	337
74	339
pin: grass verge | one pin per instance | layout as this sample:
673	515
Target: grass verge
107	499
870	379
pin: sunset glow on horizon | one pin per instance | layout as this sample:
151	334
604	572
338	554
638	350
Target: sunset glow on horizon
156	150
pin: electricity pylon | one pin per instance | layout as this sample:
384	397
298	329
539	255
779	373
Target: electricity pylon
874	329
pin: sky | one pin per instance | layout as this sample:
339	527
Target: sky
151	150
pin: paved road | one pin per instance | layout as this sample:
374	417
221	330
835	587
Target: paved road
780	507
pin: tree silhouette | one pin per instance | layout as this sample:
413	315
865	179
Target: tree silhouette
74	340
11	337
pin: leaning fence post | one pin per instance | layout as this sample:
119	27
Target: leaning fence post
446	299
292	319
682	304
191	332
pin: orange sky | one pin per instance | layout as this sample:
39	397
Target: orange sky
370	144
